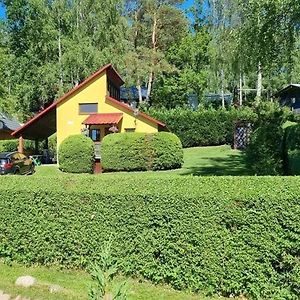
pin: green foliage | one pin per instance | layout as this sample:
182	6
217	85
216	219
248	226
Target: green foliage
141	151
218	235
9	145
52	144
103	275
165	151
12	145
76	154
203	127
124	151
265	150
292	150
55	45
190	57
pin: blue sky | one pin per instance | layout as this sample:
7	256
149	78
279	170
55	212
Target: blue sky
2	12
186	5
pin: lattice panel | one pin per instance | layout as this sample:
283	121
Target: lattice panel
241	135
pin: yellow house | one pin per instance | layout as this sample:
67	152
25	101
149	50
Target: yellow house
93	107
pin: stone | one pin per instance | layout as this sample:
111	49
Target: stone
55	288
4	296
26	281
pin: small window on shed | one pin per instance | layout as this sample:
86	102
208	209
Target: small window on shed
129	129
88	108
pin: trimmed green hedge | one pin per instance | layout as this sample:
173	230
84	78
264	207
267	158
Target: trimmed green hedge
12	145
265	152
141	151
217	235
292	149
203	127
76	154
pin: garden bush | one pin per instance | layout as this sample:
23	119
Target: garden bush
12	145
141	151
52	144
264	154
165	151
217	235
292	149
124	152
203	127
76	154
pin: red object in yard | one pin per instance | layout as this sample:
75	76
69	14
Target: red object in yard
97	167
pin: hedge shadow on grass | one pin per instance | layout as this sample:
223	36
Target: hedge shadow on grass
232	165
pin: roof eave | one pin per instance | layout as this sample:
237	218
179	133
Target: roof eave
147	117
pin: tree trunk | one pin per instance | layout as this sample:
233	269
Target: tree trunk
149	87
154	49
139	90
59	59
241	90
259	82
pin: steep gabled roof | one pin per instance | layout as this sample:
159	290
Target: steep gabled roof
129	108
114	75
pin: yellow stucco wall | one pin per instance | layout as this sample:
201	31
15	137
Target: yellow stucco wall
69	121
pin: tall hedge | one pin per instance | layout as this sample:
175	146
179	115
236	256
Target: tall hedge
141	151
292	149
76	154
264	153
203	127
217	235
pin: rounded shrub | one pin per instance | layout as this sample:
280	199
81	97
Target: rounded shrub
124	152
141	151
165	151
76	154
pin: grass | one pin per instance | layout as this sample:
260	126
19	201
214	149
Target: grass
214	161
198	161
76	285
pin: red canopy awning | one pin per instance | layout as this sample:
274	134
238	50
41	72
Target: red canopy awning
103	119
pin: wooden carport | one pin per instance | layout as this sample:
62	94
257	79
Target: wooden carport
39	128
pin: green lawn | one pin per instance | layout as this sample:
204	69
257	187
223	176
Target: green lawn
217	160
204	161
76	285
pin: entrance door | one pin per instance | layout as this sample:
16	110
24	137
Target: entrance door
95	134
